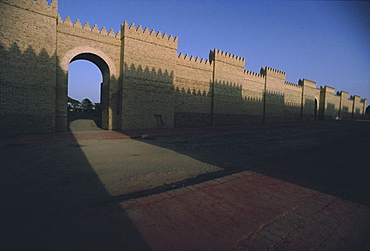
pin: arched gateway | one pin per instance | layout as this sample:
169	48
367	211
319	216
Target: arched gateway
109	73
146	84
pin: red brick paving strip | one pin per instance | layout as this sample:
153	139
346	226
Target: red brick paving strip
248	211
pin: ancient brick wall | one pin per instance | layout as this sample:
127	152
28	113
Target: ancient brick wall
329	103
273	95
253	95
228	103
292	102
149	60
363	102
28	66
310	100
76	41
339	106
193	93
146	84
358	107
346	105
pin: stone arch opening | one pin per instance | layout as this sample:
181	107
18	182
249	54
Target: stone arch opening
84	91
108	66
102	119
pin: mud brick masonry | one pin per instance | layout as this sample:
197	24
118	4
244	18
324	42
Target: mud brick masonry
146	83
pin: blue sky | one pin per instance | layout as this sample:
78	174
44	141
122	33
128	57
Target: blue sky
324	41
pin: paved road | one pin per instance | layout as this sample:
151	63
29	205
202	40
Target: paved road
79	125
302	186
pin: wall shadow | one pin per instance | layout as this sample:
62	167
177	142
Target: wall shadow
27	99
328	157
200	104
149	93
337	164
51	198
147	97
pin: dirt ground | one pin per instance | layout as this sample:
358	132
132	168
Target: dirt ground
46	180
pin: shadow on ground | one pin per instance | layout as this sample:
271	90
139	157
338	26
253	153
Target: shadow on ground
330	157
84	121
51	199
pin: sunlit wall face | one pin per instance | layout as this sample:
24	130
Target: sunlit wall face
324	41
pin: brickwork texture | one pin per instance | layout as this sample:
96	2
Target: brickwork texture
146	83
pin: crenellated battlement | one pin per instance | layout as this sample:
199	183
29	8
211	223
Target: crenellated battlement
355	97
38	6
229	55
193	59
343	94
226	57
267	71
288	84
327	89
86	27
143	78
254	77
253	74
149	36
330	91
307	83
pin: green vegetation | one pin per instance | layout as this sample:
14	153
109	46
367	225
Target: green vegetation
84	106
